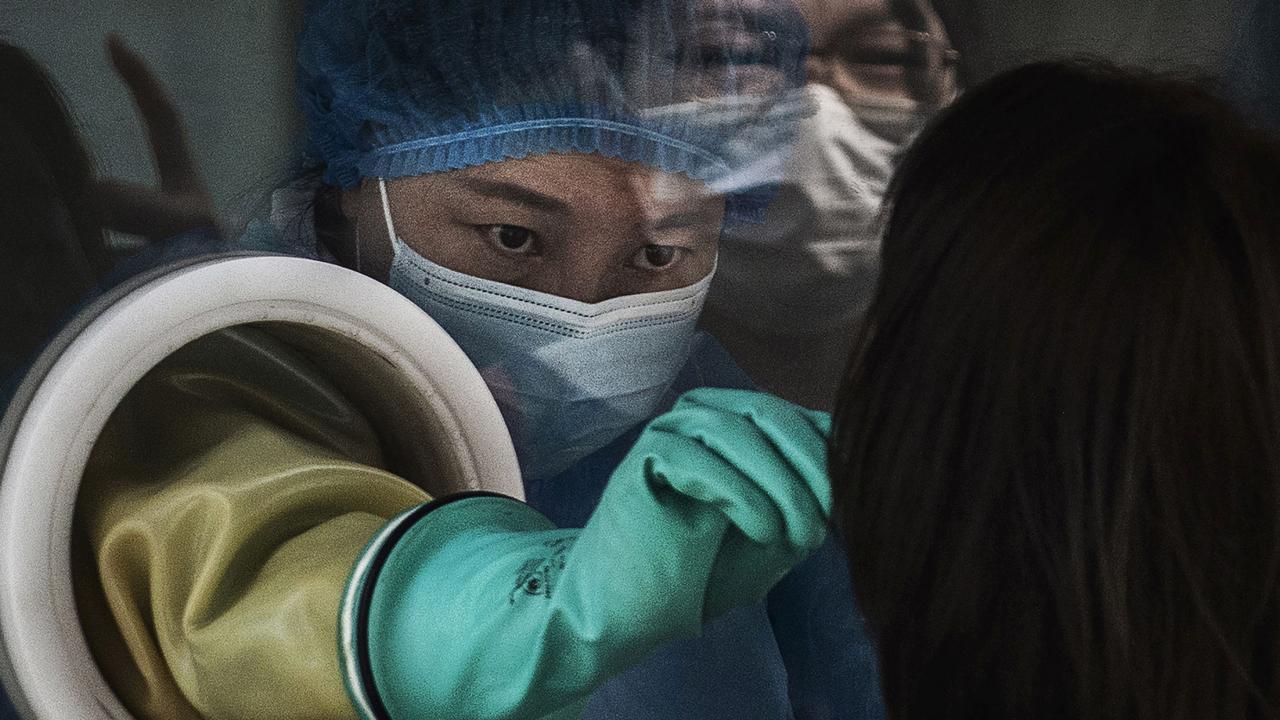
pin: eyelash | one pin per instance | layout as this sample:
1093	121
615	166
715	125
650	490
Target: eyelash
678	254
490	234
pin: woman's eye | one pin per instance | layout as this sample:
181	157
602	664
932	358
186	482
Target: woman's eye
511	238
654	257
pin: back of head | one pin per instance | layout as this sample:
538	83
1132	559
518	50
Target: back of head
51	242
1057	449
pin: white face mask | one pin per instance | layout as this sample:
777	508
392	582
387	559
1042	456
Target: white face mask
894	119
810	268
570	377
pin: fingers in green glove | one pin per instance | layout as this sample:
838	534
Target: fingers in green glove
740	470
791	433
691	469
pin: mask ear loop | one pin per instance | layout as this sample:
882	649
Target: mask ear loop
386	211
358	241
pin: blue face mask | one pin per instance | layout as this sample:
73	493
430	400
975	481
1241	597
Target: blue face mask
570	377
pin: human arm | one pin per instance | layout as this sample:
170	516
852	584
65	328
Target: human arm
477	607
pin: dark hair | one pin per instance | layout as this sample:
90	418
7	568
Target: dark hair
52	246
332	227
1057	447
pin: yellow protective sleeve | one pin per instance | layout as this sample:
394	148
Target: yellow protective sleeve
220	516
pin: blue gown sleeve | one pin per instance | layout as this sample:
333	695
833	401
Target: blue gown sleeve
832	672
6	708
830	662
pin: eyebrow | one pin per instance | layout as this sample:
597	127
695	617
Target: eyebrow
502	190
686	217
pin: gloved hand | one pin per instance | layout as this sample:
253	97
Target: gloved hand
477	607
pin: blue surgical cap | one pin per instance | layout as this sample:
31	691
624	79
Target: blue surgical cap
394	88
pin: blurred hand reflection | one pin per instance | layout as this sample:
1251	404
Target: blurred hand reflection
182	202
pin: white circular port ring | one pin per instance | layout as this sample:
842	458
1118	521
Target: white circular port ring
66	399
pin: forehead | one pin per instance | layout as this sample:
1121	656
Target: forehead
576	181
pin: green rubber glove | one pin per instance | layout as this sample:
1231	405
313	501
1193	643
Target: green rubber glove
476	607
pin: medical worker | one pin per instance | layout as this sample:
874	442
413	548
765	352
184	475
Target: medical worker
789	291
548	181
561	224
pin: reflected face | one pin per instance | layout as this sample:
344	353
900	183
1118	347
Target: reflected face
739	39
715	48
575	225
894	49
